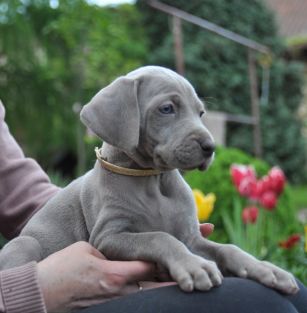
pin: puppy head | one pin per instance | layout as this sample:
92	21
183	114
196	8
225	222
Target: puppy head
153	112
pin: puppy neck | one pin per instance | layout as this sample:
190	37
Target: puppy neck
118	157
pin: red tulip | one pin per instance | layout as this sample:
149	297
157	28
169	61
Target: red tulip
265	185
268	200
265	191
254	195
259	190
277	179
290	242
247	187
239	172
250	215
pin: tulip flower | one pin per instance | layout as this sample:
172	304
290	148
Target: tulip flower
250	215
263	185
277	180
290	242
268	200
244	179
305	228
239	172
204	204
247	187
265	191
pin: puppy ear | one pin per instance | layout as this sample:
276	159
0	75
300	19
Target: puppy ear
113	114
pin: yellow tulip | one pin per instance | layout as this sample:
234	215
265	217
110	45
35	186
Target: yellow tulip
204	204
305	238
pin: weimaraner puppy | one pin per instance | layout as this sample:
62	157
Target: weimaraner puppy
134	204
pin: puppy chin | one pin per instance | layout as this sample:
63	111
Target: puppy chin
162	164
201	166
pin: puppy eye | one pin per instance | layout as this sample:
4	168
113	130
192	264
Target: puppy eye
201	113
167	108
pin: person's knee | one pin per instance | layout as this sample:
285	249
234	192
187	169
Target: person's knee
299	300
233	296
244	294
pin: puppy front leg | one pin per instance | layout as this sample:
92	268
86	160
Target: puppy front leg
19	251
232	260
188	270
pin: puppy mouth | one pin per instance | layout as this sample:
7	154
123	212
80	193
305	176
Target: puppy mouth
181	164
201	167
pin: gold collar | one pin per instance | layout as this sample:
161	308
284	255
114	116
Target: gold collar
123	170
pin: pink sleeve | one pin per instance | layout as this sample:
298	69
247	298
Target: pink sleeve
20	291
24	186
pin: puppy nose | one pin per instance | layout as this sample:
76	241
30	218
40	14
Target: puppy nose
208	148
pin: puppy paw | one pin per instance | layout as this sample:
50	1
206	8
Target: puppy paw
242	264
194	272
282	280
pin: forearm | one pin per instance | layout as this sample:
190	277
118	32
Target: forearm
20	291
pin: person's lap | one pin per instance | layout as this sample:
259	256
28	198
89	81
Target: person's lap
233	296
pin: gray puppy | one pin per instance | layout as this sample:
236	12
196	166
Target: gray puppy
136	206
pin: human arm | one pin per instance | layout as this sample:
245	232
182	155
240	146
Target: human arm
24	186
24	189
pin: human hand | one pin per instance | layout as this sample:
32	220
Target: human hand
80	276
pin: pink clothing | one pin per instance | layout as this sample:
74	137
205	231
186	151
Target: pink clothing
20	291
24	189
24	186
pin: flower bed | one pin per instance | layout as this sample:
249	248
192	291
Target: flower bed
253	209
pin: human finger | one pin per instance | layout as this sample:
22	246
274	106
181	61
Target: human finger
133	271
206	229
144	285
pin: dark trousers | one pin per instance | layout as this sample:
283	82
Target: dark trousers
235	295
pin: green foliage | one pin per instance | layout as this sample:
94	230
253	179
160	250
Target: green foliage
262	238
299	199
51	58
294	260
57	179
283	142
218	69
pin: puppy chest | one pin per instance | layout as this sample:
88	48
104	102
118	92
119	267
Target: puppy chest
149	204
167	214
